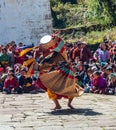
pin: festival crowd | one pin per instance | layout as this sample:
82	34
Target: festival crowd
95	71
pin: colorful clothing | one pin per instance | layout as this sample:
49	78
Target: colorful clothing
26	84
5	59
104	56
9	84
85	54
99	85
58	76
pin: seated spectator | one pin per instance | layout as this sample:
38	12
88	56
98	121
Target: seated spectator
90	78
104	56
4	58
25	82
4	75
78	81
106	70
96	54
99	84
112	84
11	85
80	71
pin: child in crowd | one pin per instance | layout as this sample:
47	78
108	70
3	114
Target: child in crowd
112	84
99	84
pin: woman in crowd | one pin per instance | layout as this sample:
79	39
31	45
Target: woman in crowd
99	84
104	56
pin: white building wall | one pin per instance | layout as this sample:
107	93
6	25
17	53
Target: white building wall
24	20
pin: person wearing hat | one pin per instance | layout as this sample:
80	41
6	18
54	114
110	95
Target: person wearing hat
56	73
85	53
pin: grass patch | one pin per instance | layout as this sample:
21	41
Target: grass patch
93	37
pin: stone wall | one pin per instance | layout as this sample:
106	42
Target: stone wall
24	20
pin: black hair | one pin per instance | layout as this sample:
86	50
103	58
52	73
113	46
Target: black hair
97	73
12	74
4	49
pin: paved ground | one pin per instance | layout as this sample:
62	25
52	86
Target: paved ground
33	112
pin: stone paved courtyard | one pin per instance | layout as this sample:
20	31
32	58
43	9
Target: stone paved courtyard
33	112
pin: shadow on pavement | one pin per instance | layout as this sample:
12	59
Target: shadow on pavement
86	112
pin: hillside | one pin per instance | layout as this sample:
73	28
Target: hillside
84	19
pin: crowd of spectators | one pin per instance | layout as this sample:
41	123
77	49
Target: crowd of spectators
95	71
13	71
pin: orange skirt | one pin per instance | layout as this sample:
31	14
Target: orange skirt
53	95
